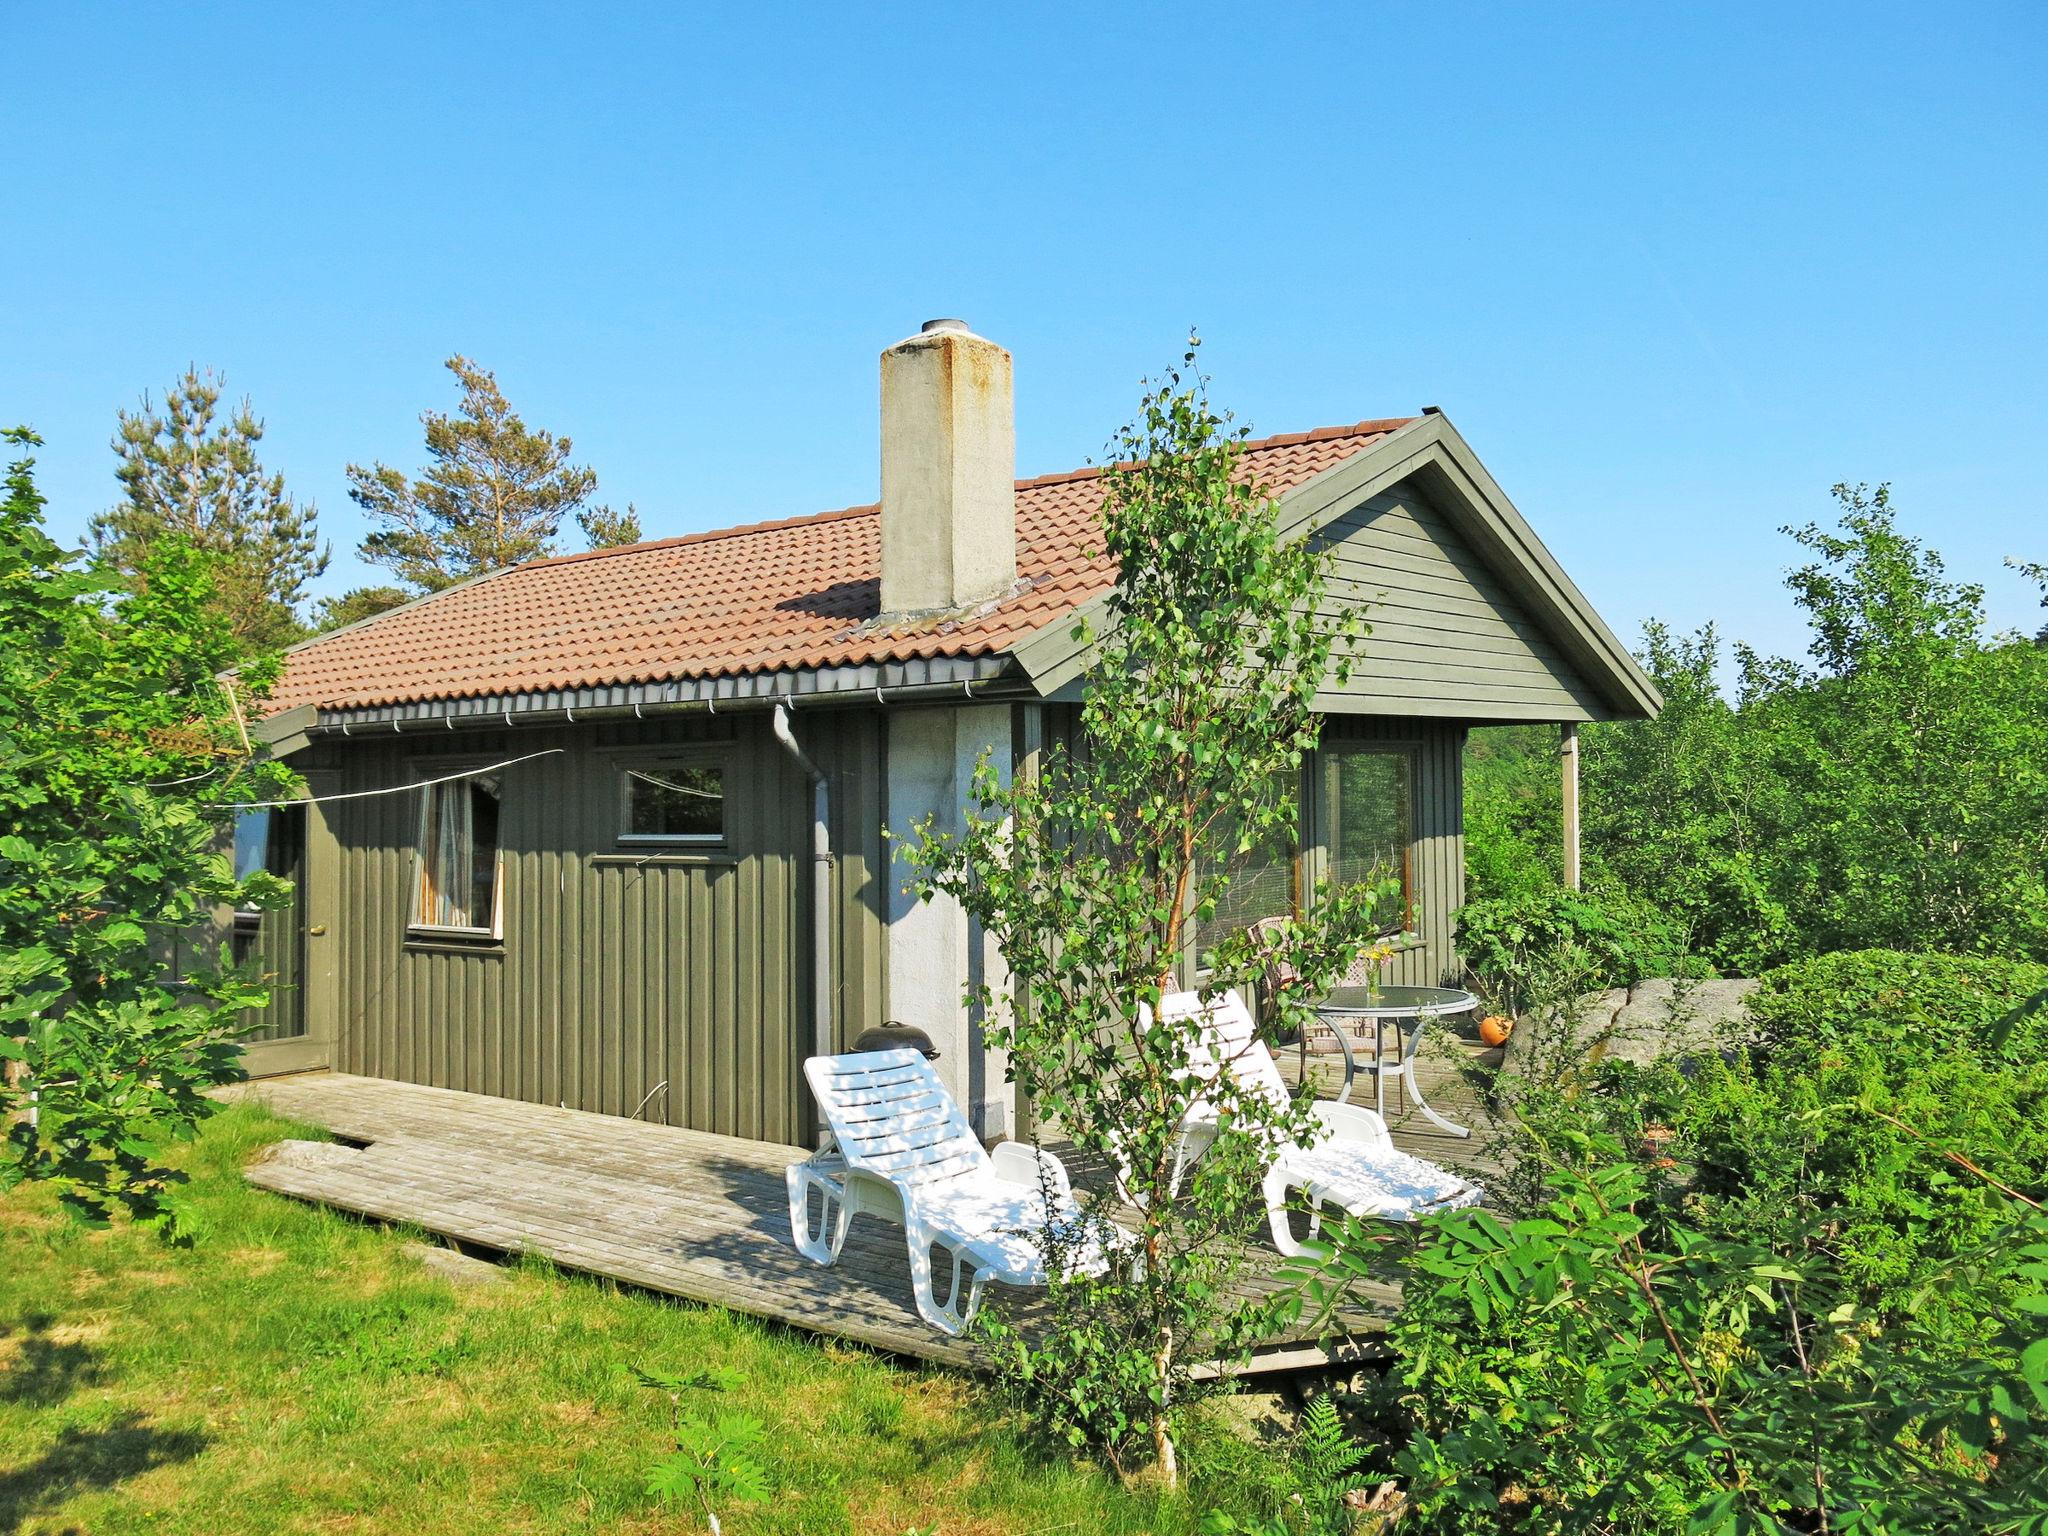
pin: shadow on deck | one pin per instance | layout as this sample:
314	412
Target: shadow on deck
682	1212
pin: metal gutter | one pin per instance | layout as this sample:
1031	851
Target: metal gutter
936	681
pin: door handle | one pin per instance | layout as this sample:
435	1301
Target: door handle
317	930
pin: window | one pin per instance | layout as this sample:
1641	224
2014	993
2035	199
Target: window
1368	821
1261	882
675	802
252	843
459	877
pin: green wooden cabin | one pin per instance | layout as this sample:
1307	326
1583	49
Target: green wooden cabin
608	831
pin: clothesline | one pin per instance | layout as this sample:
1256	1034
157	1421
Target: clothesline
395	789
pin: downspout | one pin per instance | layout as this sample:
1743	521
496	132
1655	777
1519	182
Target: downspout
823	1042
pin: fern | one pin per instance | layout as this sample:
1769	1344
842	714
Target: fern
1327	1460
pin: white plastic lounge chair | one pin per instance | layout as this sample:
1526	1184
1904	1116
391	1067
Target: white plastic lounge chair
899	1147
1353	1166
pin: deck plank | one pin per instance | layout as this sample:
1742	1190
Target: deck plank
684	1213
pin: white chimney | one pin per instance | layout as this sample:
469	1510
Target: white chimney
949	467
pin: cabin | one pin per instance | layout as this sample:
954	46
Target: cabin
610	830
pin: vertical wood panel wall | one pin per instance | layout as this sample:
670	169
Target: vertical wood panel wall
623	967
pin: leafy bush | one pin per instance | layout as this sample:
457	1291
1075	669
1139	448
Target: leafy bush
717	1457
121	759
1803	1288
1857	1048
1520	948
1514	812
1996	1008
1599	1366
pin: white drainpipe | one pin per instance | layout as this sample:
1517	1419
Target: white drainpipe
823	1042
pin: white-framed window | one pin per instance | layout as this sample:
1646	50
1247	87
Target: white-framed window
460	871
674	800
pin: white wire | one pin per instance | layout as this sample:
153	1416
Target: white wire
193	778
396	789
681	789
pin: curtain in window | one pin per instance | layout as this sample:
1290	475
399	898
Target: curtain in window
459	855
449	858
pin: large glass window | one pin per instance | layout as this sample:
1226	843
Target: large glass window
458	862
676	802
1368	821
1262	882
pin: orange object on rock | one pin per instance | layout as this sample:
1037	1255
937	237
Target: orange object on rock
1494	1029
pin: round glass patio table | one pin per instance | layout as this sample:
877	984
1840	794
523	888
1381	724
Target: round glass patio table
1407	1009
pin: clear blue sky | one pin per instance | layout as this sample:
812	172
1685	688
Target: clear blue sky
1671	274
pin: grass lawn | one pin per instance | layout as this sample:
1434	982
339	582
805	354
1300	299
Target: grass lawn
294	1370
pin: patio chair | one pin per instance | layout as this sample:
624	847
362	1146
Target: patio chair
1353	1165
897	1146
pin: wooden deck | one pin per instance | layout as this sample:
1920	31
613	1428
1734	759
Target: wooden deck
680	1212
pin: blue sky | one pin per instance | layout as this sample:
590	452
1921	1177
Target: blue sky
1672	272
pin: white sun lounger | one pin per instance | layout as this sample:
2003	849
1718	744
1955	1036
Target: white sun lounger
899	1147
1353	1165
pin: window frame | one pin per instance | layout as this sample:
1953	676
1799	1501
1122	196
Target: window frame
683	754
416	925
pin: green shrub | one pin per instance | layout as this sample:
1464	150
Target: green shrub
1521	948
1995	1008
1599	1366
1801	1288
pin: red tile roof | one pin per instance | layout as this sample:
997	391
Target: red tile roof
761	598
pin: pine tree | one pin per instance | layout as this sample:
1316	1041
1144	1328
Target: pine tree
355	605
493	496
606	529
194	473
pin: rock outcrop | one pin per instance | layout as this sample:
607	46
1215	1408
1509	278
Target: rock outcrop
1654	1020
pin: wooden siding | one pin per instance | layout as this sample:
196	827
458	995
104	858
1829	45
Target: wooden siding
622	966
1447	636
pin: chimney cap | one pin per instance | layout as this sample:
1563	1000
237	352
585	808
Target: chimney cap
941	325
1432	410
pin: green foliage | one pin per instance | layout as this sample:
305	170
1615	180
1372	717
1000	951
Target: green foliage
1514	812
1599	1365
2037	572
1801	1289
1199	707
1857	1047
716	1459
605	529
1890	791
1527	949
1686	810
186	475
1322	1463
355	605
1893	1000
107	691
493	496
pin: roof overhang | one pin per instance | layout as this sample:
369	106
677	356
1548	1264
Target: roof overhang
1430	452
924	680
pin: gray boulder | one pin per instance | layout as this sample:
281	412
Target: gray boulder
1654	1020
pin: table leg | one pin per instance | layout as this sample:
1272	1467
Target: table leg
1415	1086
